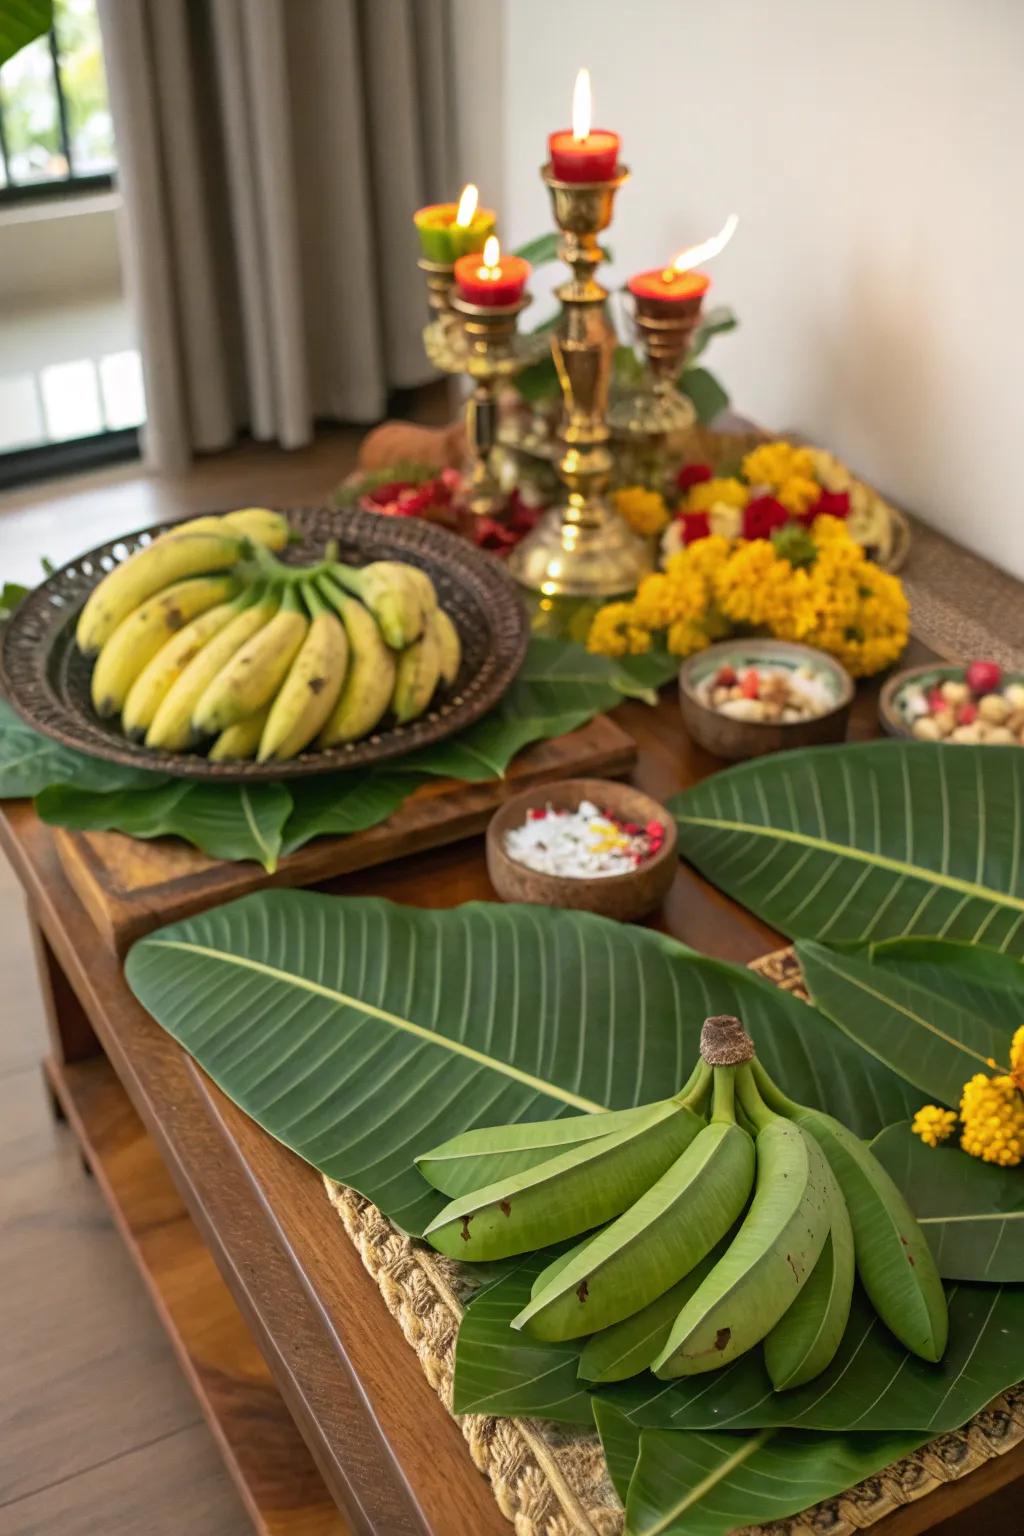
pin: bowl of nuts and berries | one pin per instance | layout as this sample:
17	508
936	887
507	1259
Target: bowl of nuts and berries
743	698
979	703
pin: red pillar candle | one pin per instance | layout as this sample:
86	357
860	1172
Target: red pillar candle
669	285
582	153
491	279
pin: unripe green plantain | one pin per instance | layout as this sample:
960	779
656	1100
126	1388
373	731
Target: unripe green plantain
255	672
894	1262
171	729
240	741
671	1227
804	1342
310	691
169	559
567	1194
139	637
416	677
393	599
449	645
158	677
771	1256
370	679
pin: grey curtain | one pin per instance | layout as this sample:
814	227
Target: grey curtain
271	155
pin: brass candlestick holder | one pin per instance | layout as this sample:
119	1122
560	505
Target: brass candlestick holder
483	342
645	421
582	548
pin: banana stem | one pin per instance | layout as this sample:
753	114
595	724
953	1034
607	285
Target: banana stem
754	1107
771	1093
694	1091
312	599
723	1105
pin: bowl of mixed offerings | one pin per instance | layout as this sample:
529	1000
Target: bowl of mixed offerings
979	703
743	698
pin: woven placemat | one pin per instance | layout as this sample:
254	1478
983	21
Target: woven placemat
550	1479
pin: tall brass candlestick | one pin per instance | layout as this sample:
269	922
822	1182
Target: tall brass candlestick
582	548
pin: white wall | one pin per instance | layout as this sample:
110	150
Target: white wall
58	251
873	152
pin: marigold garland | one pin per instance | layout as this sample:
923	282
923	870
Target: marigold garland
816	586
991	1114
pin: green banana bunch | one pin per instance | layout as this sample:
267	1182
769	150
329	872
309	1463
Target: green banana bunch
140	637
417	675
169	559
310	691
686	1271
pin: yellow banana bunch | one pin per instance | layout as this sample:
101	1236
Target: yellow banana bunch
310	691
140	636
255	672
370	679
148	571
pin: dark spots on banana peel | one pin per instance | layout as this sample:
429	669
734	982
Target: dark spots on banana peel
175	618
465	1228
317	684
794	1267
506	1207
722	1338
582	1292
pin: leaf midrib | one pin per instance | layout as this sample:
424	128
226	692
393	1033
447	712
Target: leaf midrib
457	1047
849	851
711	1481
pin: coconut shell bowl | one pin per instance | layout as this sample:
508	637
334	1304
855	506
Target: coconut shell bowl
733	738
627	896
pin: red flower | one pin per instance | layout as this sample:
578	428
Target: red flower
828	504
694	526
762	516
382	494
693	474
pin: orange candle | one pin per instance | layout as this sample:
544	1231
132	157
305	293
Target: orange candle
678	283
491	279
582	153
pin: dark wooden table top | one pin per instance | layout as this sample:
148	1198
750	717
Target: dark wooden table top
387	1450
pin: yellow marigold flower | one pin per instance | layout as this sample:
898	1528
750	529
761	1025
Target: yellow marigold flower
726	521
684	638
934	1125
798	494
643	510
772	464
992	1111
705	556
829	472
666	596
702	497
1017	1053
831	530
614	632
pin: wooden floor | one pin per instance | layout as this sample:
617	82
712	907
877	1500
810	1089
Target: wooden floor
98	1431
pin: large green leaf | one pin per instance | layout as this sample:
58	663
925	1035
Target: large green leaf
21	22
360	1033
971	1212
30	762
713	1484
873	1383
550	1369
338	804
227	821
620	1441
704	392
935	1029
871	841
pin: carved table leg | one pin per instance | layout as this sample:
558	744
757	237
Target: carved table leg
72	1037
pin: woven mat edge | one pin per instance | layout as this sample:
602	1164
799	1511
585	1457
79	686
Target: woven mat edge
562	1489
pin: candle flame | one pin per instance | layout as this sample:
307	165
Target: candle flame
688	259
581	108
492	251
467	206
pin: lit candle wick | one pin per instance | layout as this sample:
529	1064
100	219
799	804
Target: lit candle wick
581	106
491	269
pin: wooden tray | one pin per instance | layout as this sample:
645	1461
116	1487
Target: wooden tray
130	887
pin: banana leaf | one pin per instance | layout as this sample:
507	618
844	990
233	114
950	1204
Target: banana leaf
21	24
872	1385
933	1025
227	821
620	1441
30	762
687	1484
341	803
971	1212
361	1033
866	842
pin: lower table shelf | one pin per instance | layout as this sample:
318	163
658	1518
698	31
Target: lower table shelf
264	1453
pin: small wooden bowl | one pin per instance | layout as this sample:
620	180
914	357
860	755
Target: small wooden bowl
624	897
730	738
890	714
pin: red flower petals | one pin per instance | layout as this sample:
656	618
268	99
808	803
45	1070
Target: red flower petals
693	474
762	516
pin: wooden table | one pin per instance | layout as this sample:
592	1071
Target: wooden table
319	1407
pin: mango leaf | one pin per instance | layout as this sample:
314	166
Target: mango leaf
704	392
620	1441
713	1484
870	841
541	249
971	1212
873	1384
21	22
550	1369
713	322
360	1033
932	1037
341	803
11	594
226	821
29	762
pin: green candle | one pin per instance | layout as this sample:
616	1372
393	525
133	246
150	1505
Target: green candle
450	230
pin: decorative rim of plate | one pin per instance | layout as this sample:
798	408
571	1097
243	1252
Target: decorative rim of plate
45	679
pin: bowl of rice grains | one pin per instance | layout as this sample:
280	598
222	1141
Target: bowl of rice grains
592	845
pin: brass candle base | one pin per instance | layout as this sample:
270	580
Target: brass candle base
583	548
645	422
